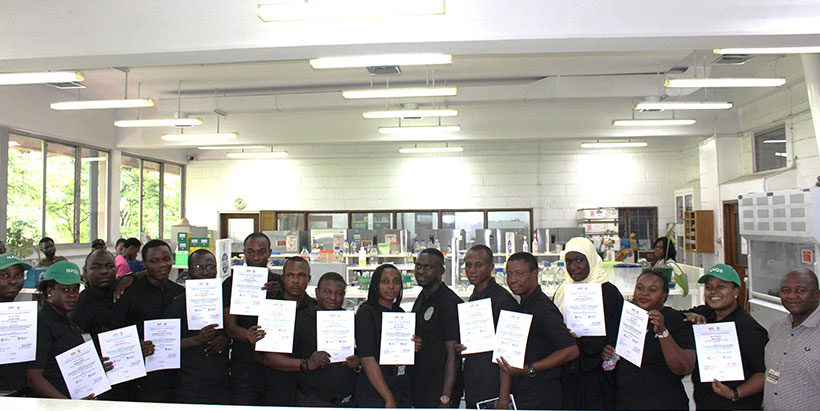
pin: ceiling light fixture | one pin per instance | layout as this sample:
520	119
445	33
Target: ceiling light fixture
614	144
334	9
773	141
654	122
400	92
381	60
724	82
769	50
418	150
231	147
419	130
684	105
160	122
102	104
204	136
259	155
92	159
13	143
7	79
410	113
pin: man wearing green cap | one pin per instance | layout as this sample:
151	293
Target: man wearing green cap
12	275
721	292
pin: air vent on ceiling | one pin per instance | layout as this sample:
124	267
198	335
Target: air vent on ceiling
732	59
67	85
384	70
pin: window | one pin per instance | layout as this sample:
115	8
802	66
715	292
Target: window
770	149
468	221
641	221
130	183
290	221
371	221
150	197
412	221
60	192
172	207
327	220
93	194
25	180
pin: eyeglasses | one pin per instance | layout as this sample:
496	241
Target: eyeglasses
209	267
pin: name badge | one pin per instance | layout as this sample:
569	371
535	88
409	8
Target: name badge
772	376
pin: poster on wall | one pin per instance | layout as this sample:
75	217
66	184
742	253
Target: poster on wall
223	257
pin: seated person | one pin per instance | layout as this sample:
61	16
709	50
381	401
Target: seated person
49	249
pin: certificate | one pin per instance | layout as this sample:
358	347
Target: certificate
632	333
397	346
277	318
246	290
18	332
718	352
511	337
475	326
335	333
122	347
203	302
165	334
584	307
82	371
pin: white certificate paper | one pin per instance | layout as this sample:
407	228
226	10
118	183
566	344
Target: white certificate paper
83	371
475	326
246	290
165	334
511	337
718	352
203	302
335	333
632	333
397	346
584	307
278	319
18	332
122	347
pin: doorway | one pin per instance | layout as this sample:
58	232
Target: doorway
237	226
735	254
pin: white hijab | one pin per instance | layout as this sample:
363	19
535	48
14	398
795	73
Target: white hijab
596	267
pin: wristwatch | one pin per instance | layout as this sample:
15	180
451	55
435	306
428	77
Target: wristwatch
530	371
664	334
444	399
735	395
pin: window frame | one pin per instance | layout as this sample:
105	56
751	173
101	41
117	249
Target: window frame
766	130
161	193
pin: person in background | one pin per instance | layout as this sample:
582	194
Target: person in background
56	333
2	247
792	380
49	249
320	383
665	252
721	292
481	374
98	244
132	249
119	247
12	277
537	386
586	385
203	376
668	354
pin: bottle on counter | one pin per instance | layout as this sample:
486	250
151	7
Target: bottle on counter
416	247
346	247
353	248
430	243
362	257
525	246
374	254
558	274
449	248
545	277
338	255
305	253
437	245
535	245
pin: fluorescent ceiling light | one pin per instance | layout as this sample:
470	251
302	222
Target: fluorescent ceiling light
381	60
102	104
160	122
614	144
415	150
13	143
684	105
260	155
231	147
724	82
400	92
773	141
410	113
199	136
92	159
419	130
335	9
40	78
769	50
655	122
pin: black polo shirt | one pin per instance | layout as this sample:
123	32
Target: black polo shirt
143	301
336	380
547	335
654	385
201	377
55	335
93	311
481	379
436	322
369	333
752	338
241	350
280	386
13	377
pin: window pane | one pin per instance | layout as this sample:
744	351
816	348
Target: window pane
60	192
372	221
468	221
770	149
25	181
150	199
509	219
93	194
172	198
412	221
130	197
327	220
290	221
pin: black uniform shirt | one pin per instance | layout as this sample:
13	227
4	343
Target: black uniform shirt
13	376
143	301
242	350
752	338
93	312
592	347
481	379
55	335
336	380
436	322
369	333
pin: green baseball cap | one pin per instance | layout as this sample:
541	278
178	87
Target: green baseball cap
8	260
722	272
64	272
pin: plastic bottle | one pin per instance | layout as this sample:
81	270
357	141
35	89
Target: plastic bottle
430	243
437	245
338	255
305	253
346	247
509	250
362	257
449	248
525	247
546	274
535	245
558	274
374	253
353	248
416	247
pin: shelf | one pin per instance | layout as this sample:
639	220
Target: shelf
401	267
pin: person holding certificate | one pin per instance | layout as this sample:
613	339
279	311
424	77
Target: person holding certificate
586	384
203	374
56	333
380	386
12	277
537	386
668	353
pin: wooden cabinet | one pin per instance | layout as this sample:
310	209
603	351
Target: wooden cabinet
699	231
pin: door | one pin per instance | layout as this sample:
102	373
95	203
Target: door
237	226
733	250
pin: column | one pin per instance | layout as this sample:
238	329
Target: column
811	71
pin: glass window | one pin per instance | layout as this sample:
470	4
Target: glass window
172	198
93	194
770	149
412	221
327	220
641	221
290	221
25	181
509	219
468	221
372	221
130	197
60	193
150	198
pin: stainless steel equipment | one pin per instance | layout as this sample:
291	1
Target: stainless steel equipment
288	241
560	235
491	237
444	236
512	240
330	238
543	237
